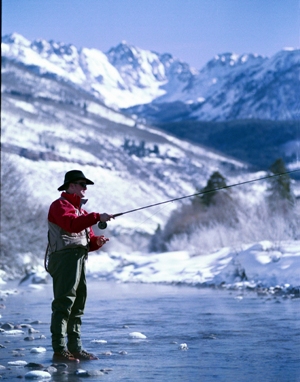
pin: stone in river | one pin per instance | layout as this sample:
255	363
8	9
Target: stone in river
137	335
38	374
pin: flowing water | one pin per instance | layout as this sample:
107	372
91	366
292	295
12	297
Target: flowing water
230	336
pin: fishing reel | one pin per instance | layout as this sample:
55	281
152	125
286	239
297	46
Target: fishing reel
102	225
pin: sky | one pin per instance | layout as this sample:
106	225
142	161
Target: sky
193	31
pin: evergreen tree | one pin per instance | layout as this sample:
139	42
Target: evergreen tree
157	242
280	199
280	186
215	181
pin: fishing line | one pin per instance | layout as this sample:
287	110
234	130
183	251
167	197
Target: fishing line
103	225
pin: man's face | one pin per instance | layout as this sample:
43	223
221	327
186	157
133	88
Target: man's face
78	188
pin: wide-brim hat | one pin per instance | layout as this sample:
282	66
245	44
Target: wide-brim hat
72	176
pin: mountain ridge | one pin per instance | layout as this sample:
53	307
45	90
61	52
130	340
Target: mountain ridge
146	83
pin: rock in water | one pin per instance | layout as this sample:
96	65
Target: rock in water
29	338
50	369
94	373
7	326
39	349
17	363
37	374
183	347
34	365
81	373
88	373
99	341
13	332
137	335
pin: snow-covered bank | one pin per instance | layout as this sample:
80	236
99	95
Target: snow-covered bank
260	265
263	265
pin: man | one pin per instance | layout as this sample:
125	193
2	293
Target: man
70	238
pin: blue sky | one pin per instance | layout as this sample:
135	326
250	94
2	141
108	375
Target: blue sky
191	30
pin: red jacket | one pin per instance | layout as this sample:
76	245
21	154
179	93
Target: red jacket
63	214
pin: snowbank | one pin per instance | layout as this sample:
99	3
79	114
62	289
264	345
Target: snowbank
261	265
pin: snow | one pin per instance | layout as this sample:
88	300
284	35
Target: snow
256	266
29	107
264	264
110	114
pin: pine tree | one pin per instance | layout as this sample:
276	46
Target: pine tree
280	198
215	181
280	186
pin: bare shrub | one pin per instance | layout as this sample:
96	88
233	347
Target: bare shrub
23	221
256	223
226	218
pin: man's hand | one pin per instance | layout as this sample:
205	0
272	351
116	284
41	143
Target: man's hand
101	240
106	217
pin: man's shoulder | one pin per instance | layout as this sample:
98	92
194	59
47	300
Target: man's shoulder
61	201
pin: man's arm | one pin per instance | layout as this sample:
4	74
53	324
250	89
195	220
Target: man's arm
64	214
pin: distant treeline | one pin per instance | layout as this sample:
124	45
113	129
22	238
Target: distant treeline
256	142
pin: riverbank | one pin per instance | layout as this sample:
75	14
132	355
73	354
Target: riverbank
265	267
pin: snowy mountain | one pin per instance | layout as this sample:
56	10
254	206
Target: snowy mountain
160	88
232	87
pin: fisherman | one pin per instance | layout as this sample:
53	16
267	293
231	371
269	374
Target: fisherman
70	238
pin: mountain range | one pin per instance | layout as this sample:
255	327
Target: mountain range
160	88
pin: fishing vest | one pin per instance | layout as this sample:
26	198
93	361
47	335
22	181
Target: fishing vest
60	239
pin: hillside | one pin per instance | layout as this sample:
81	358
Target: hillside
50	126
256	142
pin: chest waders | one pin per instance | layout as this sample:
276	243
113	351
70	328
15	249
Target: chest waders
67	268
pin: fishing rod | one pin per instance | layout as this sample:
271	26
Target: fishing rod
103	225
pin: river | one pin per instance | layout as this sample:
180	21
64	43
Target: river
191	334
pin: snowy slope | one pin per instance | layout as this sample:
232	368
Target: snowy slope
52	121
50	127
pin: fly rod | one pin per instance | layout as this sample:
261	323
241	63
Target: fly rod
103	225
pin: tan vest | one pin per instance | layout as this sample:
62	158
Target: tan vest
60	239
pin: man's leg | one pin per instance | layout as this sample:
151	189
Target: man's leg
77	311
65	268
74	324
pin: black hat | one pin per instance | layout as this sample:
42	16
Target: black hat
71	176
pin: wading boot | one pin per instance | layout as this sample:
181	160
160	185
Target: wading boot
84	356
64	356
